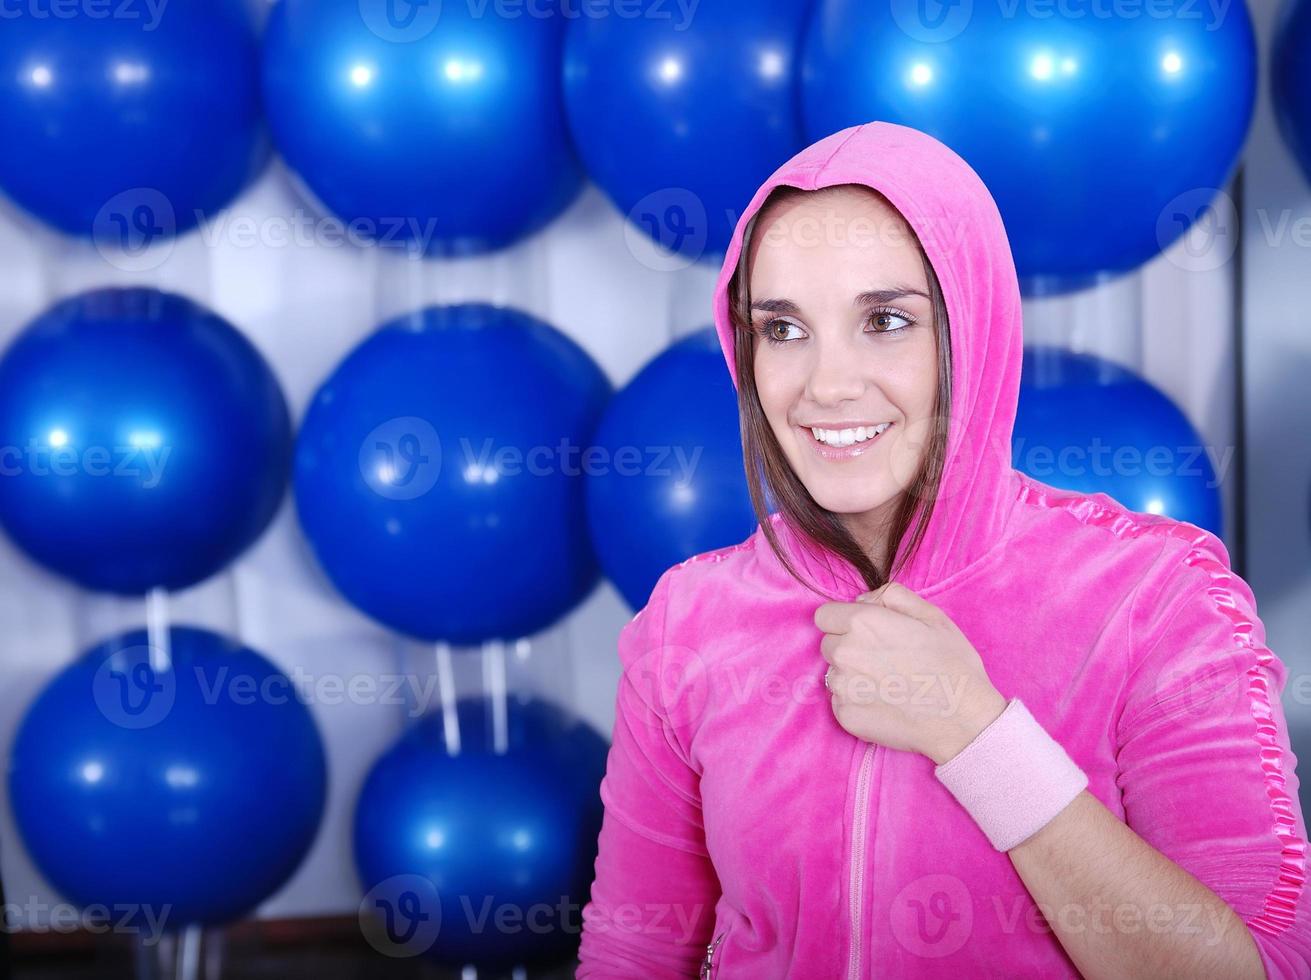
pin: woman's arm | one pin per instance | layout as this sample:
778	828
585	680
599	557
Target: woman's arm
653	899
1208	877
1121	909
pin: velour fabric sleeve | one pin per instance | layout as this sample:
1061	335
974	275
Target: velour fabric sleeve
1205	767
654	891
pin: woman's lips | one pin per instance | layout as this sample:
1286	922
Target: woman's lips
856	449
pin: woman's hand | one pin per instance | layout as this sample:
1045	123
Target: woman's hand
904	675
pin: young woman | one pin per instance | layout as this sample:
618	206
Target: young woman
934	718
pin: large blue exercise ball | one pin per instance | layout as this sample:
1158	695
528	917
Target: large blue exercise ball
146	442
1090	425
482	857
187	788
438	473
673	484
1290	79
437	127
130	122
680	118
1102	137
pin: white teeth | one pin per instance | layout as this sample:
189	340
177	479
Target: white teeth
846	437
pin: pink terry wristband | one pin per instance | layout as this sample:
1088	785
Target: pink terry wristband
1013	778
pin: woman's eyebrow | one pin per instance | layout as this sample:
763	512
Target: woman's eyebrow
776	306
867	298
887	295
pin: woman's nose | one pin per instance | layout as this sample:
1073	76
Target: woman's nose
835	374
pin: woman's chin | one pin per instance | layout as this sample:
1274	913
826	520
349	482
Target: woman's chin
860	507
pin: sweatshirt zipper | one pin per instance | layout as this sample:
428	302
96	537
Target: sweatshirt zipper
710	955
857	883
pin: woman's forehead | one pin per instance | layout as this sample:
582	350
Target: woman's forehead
805	245
828	222
838	205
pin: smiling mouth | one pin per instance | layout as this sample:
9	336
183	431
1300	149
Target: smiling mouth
846	450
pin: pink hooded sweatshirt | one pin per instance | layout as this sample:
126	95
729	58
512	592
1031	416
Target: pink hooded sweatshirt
748	835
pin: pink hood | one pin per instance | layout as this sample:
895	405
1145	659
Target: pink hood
958	224
746	829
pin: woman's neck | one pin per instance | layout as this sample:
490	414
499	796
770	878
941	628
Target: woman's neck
871	533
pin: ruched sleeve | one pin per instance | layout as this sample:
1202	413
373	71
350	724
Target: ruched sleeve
1204	763
654	891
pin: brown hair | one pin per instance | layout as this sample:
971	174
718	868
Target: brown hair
766	465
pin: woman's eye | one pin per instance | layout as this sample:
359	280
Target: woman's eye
884	321
776	330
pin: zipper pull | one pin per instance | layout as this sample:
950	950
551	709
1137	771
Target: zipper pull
710	954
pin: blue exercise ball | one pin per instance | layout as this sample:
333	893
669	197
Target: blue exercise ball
1089	425
673	484
1102	138
679	118
146	441
481	857
185	789
438	473
434	127
1290	79
133	124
